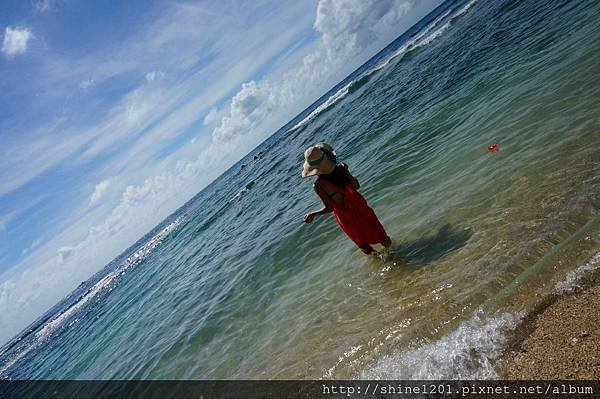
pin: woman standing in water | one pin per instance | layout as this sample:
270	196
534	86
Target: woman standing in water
338	190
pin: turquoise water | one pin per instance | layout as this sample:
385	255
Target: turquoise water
234	285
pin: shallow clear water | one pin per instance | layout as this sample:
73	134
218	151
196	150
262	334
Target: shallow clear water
234	285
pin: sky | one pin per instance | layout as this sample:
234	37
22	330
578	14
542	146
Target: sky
114	114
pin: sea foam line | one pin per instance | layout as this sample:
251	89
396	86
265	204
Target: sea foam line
572	278
466	353
419	40
423	38
469	351
343	92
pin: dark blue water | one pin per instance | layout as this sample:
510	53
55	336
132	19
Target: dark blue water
234	285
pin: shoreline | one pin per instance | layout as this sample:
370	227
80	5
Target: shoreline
560	338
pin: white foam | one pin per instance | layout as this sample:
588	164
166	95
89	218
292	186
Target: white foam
466	353
573	277
437	33
409	44
340	94
388	333
464	9
421	39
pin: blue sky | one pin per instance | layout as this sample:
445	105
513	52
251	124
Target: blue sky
114	114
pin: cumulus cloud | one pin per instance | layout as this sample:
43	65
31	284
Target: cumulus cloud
99	191
252	114
348	26
247	108
140	208
210	117
15	40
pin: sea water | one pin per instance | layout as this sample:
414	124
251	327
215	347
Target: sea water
235	285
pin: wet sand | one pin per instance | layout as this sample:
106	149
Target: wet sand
559	341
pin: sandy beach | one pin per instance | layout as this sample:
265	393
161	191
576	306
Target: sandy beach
152	202
561	340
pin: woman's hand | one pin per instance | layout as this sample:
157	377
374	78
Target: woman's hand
309	217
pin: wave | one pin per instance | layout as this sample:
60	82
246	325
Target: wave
437	33
59	322
423	38
466	353
466	8
358	83
429	34
238	196
573	277
325	106
469	351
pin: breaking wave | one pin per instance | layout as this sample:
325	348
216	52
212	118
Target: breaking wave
434	30
573	277
469	351
466	353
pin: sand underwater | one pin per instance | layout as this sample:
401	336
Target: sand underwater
234	285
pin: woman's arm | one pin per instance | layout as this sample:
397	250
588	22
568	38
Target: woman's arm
353	180
327	205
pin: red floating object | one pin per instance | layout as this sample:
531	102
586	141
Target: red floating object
493	147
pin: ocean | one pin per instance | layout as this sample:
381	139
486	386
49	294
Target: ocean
234	285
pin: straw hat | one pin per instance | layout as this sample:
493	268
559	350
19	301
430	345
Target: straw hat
319	160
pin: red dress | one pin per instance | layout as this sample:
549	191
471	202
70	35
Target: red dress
354	215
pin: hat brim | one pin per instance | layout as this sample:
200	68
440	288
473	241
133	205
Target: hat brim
308	170
325	167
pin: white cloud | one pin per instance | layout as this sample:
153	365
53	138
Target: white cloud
44	5
173	43
15	40
99	191
254	112
248	107
210	117
153	75
150	76
65	253
7	218
348	26
23	207
86	84
145	105
32	245
25	159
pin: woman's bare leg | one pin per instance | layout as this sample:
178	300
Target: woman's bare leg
367	249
